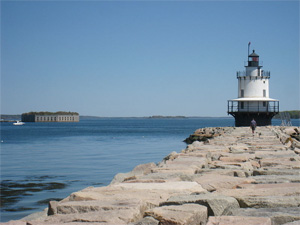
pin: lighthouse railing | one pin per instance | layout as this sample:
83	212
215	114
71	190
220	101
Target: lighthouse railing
263	74
246	106
266	74
240	74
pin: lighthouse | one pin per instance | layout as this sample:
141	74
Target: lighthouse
253	100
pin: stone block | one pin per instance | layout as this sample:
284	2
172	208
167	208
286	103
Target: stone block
217	204
14	222
268	201
273	179
146	221
293	223
52	208
213	182
142	169
187	214
110	211
238	220
278	215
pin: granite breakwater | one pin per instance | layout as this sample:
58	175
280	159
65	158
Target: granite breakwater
224	176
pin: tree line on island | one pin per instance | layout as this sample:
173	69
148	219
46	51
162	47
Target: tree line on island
294	114
51	113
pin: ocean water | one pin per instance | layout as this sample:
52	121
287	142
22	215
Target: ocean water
49	161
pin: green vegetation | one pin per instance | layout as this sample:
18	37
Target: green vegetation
165	117
294	114
51	113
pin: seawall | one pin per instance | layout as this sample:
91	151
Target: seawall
229	177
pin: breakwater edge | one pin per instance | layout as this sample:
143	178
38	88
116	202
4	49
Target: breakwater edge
49	161
230	178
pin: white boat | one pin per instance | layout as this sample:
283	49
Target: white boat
18	123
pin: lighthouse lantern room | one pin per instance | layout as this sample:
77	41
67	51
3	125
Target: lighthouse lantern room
253	100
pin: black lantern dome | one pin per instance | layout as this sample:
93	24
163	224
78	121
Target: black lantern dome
253	59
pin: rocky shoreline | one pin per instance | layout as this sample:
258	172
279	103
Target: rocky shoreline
224	176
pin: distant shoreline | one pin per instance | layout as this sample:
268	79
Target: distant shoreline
15	117
8	117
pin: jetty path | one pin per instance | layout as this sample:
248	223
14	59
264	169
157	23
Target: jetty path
233	178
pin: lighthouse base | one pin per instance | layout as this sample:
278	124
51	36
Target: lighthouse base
243	119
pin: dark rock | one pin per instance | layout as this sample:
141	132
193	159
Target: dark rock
52	208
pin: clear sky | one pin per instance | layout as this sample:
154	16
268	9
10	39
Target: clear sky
143	58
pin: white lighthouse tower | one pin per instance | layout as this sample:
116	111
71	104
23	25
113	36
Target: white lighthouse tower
253	95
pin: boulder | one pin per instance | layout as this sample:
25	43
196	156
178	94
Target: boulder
278	215
142	169
293	223
146	221
37	215
152	193
236	157
238	148
268	201
213	182
291	131
101	218
217	204
238	220
273	179
276	171
52	208
196	145
187	214
14	222
285	189
290	163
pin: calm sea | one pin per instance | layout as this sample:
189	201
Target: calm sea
45	161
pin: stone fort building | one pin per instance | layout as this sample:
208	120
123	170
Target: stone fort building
50	117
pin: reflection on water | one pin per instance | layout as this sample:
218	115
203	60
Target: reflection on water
13	191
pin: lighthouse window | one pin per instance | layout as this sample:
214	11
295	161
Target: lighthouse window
264	92
242	93
264	104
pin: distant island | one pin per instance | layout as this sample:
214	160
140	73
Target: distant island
51	113
166	117
294	114
59	116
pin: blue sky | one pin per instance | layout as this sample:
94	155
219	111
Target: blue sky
143	58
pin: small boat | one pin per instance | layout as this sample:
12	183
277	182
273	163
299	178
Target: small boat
18	123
